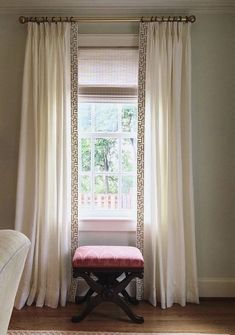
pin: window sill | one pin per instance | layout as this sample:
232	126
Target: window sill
113	224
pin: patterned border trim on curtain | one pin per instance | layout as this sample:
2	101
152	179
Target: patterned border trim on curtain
74	149
140	148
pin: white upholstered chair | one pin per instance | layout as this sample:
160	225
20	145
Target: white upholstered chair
14	247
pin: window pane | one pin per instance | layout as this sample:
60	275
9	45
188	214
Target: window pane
106	117
85	197
85	184
106	155
129	118
84	122
106	184
106	192
128	192
128	154
85	150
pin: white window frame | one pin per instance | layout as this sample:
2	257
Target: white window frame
108	223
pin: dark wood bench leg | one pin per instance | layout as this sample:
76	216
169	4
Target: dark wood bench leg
108	288
121	303
128	298
90	305
80	300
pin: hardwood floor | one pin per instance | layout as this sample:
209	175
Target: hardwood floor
211	316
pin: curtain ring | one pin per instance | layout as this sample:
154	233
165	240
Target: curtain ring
71	18
151	20
67	19
142	19
60	19
53	19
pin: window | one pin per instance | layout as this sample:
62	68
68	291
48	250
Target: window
107	132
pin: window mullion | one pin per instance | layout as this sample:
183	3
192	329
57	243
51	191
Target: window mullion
119	155
92	158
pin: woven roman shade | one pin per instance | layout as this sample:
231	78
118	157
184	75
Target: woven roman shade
108	73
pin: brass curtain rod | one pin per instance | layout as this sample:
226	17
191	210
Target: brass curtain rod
41	19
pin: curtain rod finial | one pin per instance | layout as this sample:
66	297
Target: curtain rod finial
192	18
22	19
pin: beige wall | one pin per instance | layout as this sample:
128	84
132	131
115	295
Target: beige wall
213	122
213	102
12	42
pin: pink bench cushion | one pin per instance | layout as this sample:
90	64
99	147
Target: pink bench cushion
108	257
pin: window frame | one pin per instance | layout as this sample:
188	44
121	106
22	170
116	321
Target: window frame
108	41
119	135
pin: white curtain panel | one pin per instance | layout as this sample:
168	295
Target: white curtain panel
169	248
43	194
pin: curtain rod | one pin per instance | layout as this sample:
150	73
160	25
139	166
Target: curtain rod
41	19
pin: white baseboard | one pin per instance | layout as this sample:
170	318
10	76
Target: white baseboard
217	287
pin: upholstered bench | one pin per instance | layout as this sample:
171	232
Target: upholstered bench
101	266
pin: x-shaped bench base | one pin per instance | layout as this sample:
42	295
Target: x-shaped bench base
107	288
